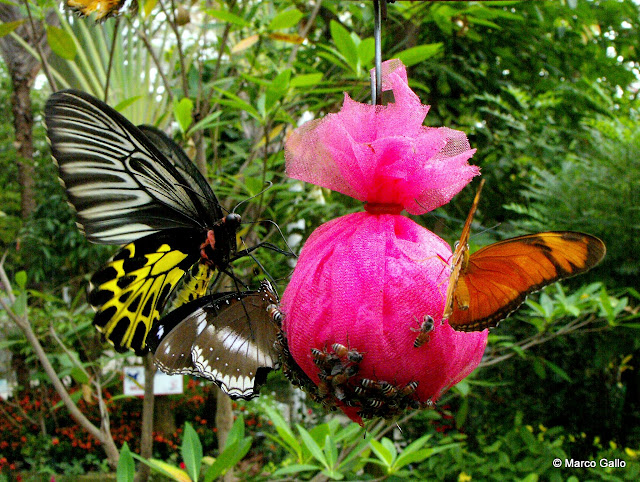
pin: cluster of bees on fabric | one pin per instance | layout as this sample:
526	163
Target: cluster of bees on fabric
338	368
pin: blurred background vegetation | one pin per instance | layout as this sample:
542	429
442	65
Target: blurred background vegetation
547	94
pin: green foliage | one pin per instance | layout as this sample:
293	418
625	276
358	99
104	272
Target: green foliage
126	467
546	361
596	190
524	453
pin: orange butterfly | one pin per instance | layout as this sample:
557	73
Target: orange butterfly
103	9
486	286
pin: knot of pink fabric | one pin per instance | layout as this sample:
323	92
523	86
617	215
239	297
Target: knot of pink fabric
383	154
367	280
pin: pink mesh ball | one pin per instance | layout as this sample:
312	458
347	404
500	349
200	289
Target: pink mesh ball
366	281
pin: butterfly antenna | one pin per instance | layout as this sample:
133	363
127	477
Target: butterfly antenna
266	273
237	281
290	252
270	185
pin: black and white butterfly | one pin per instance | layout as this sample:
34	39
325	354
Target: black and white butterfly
135	186
227	338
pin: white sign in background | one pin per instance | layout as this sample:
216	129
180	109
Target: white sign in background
163	384
5	391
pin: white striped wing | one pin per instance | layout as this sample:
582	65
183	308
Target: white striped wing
122	186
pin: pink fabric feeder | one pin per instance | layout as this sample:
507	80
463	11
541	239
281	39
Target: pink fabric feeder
367	280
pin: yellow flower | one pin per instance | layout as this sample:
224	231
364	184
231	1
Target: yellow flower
631	453
464	477
529	428
613	445
542	428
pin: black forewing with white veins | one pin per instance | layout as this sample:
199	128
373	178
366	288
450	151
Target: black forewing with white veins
121	185
228	339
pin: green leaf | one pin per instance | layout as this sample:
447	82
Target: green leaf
294	469
120	106
287	438
286	19
7	27
367	51
605	304
61	42
383	454
21	279
206	123
148	6
168	470
420	53
229	457
191	451
237	103
483	22
330	451
237	430
463	411
126	470
412	458
345	44
557	370
305	80
79	375
278	88
463	388
538	368
312	446
75	397
226	17
182	113
388	444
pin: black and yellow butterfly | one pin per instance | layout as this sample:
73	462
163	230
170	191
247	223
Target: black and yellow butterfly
135	186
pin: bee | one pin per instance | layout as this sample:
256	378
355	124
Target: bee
423	331
324	377
340	350
318	356
275	314
322	359
323	389
359	390
352	370
354	356
387	389
368	383
281	345
340	378
409	388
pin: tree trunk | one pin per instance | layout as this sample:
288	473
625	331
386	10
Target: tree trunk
23	125
23	69
224	422
146	444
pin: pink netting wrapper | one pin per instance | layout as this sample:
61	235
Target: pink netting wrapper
383	154
365	281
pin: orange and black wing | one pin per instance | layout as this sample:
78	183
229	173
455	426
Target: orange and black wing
499	277
460	255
